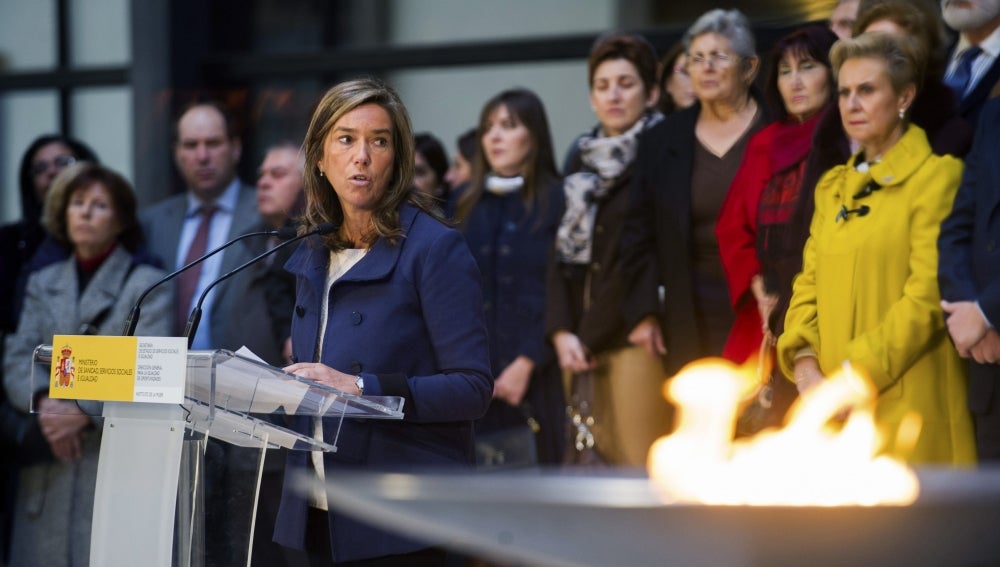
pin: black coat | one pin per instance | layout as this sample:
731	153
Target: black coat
602	325
511	244
969	254
656	242
265	296
987	87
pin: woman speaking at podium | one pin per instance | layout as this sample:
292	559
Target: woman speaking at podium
389	304
91	210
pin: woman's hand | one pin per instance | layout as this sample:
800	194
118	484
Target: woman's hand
965	325
987	350
62	424
325	375
647	335
807	374
572	354
513	382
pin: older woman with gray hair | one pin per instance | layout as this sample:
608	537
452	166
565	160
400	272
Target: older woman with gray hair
677	306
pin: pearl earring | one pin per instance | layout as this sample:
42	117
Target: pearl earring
902	113
321	171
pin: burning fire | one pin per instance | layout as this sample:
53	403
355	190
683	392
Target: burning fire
808	462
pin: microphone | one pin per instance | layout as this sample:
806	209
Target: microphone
133	317
845	212
192	324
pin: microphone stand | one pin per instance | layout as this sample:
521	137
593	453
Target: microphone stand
133	317
192	323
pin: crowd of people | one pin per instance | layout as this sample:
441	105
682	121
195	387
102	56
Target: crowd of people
831	200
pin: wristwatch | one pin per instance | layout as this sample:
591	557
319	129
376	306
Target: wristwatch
360	383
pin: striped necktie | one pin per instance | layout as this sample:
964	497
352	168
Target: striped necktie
187	281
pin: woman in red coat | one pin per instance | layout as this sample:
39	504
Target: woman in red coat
763	195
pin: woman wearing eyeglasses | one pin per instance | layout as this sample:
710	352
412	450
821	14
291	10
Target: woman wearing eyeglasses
42	161
45	157
868	291
684	167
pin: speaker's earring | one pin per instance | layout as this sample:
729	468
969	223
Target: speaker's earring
321	171
902	113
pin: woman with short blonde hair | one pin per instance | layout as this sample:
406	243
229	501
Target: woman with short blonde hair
868	291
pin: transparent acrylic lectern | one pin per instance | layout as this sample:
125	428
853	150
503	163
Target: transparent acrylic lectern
149	499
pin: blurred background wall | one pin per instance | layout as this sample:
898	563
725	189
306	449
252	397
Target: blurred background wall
113	72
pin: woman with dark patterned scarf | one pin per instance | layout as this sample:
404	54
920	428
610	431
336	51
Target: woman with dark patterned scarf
619	383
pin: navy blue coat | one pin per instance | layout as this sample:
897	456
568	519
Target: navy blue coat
407	318
511	245
969	249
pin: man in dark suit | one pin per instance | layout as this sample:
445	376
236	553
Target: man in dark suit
215	208
974	64
266	291
969	274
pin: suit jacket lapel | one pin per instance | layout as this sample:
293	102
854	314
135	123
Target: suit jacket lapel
166	234
61	294
982	90
382	258
244	220
377	263
989	173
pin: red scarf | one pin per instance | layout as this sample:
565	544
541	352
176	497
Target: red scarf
792	141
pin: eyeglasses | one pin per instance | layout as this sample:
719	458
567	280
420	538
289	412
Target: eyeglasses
716	58
60	162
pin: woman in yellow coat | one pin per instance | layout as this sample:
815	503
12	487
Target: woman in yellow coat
868	290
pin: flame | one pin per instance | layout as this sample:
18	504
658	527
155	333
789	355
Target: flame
808	462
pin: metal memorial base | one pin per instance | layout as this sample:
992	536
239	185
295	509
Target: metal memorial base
565	519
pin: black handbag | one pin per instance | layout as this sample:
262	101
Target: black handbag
510	447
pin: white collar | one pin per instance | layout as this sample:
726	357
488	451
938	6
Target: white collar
503	185
226	202
990	45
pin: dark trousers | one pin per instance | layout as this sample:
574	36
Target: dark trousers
988	436
318	549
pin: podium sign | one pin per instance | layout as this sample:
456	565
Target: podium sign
118	369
